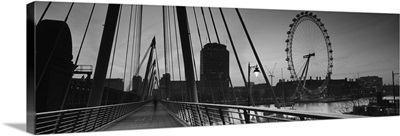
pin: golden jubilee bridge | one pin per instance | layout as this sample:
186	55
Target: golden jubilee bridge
75	89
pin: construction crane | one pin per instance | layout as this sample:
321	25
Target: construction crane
271	74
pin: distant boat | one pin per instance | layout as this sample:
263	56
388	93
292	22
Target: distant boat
286	104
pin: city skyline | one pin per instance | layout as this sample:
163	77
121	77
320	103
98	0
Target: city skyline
356	38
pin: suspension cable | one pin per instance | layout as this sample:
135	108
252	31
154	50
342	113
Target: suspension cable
205	23
115	48
84	35
77	58
215	28
194	60
198	30
177	51
44	12
257	58
158	71
127	44
133	47
233	47
170	42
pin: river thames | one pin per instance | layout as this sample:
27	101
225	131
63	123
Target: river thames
328	107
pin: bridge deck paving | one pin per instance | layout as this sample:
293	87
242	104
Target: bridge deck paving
147	117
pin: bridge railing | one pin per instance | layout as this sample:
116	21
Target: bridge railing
202	114
82	119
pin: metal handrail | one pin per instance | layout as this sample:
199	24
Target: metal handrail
204	114
82	119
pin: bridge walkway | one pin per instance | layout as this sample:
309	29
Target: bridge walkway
148	116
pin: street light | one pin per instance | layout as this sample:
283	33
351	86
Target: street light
256	72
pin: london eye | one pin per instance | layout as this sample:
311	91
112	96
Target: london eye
309	54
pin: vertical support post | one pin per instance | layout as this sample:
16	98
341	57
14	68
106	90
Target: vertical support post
186	51
246	116
199	113
59	120
76	120
208	116
394	95
138	36
193	112
221	115
184	112
103	58
190	115
240	116
250	98
87	119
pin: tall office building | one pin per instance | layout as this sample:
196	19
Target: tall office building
214	72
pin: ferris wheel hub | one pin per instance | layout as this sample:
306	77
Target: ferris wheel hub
309	55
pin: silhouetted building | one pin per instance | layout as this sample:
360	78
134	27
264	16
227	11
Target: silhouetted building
336	88
370	81
214	72
78	93
370	84
388	89
115	83
54	67
137	84
178	91
165	86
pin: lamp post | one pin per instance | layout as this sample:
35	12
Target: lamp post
256	72
394	93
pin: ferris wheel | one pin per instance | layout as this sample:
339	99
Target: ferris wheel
309	54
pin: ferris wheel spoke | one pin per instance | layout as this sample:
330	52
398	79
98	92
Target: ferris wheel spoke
319	49
320	64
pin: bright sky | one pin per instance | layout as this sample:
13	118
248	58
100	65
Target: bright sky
363	44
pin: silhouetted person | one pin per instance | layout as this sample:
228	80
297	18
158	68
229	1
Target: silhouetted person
155	101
